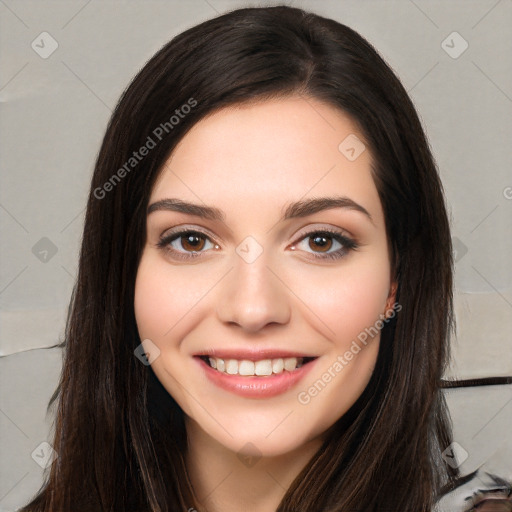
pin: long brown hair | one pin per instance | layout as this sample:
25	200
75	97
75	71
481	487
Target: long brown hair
119	435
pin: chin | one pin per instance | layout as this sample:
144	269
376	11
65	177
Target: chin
261	437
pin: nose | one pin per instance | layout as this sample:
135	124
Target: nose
253	297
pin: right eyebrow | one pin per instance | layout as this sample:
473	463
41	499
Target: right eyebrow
176	205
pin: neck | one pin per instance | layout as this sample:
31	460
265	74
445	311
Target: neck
224	481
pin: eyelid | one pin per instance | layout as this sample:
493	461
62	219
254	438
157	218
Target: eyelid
168	236
187	227
347	241
316	228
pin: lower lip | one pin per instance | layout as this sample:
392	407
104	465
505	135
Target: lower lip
256	387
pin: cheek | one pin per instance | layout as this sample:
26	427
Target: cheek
162	298
348	301
150	303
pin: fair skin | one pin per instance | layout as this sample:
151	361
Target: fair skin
251	162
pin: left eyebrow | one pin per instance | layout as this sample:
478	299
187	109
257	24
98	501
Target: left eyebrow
311	206
293	210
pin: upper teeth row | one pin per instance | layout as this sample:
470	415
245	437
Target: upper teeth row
263	367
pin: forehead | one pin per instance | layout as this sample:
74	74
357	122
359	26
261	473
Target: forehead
270	153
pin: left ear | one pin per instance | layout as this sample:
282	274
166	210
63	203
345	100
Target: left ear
391	300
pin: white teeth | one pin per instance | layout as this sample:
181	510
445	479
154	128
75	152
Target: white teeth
290	363
232	366
277	365
250	368
246	368
263	367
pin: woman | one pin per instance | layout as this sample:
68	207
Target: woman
264	299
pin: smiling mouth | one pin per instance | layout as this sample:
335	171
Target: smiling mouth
260	368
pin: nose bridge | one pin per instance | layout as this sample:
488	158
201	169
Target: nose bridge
252	296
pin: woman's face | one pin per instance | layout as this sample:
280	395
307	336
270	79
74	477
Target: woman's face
257	283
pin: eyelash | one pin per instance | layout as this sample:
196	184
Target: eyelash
348	244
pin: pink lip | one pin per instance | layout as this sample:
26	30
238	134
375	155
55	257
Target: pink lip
251	355
255	387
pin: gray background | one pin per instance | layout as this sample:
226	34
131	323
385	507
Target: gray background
54	110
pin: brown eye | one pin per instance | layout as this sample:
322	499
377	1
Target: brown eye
326	244
320	243
192	242
186	244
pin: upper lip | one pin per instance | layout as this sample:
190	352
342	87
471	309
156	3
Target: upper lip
252	355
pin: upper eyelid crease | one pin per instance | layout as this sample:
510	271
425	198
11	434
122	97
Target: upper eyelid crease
302	208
